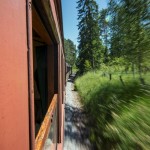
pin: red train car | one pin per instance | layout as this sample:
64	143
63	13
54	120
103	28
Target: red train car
32	75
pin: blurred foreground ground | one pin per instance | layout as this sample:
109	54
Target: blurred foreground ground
76	132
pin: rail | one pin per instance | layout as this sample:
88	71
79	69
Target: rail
43	137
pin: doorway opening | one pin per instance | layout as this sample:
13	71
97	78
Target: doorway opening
40	80
43	69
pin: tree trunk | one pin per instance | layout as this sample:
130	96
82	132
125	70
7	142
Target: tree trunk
133	70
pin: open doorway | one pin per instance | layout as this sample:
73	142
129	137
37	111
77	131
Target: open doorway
43	69
40	80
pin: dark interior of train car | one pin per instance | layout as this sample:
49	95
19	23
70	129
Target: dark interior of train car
43	69
40	79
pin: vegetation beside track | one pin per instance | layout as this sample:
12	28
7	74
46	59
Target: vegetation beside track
118	109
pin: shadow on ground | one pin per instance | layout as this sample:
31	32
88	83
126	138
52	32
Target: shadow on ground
76	130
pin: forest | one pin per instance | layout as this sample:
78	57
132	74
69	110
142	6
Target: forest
113	78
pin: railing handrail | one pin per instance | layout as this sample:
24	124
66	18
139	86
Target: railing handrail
45	127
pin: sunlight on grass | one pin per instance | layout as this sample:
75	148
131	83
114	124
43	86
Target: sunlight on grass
119	112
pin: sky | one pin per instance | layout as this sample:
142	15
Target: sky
70	21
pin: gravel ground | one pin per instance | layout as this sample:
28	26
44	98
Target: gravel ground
76	132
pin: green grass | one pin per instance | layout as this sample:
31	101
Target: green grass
132	126
111	105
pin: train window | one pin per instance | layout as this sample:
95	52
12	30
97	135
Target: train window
45	66
40	83
41	42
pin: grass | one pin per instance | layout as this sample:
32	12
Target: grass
132	126
114	109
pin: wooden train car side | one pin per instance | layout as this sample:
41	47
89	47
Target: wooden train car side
32	75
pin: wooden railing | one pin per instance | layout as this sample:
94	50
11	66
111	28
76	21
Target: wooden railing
44	131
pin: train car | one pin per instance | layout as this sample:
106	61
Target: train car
32	75
68	71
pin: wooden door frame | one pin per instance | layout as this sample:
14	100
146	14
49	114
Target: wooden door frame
32	18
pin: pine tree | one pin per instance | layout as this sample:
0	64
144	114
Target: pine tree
135	14
115	29
70	51
104	32
90	47
128	38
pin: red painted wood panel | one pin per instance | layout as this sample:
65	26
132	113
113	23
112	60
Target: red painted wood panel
14	124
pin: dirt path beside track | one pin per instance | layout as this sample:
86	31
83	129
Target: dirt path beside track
76	132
